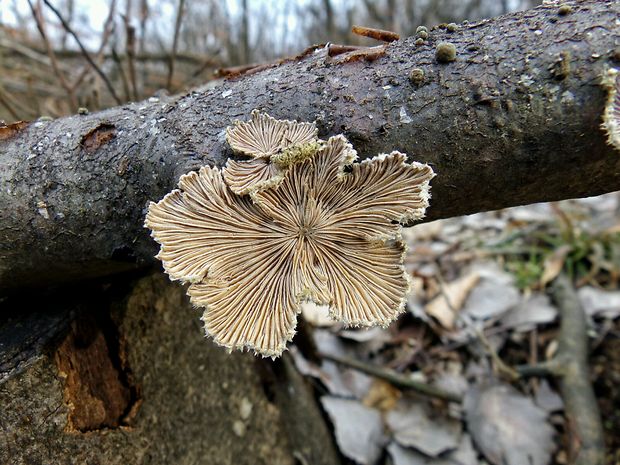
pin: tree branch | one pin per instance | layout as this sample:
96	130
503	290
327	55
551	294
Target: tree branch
499	128
582	414
84	51
570	367
38	17
175	43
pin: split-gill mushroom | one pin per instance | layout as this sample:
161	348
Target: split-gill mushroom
325	234
611	116
273	144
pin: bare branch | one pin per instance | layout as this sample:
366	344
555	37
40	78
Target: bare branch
581	408
570	366
175	43
108	27
121	72
38	17
86	54
130	50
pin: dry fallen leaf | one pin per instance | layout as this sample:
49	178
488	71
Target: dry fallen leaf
423	231
599	302
338	381
507	427
533	311
366	334
369	341
445	306
491	298
345	382
553	264
382	396
413	426
359	429
548	399
465	454
450	377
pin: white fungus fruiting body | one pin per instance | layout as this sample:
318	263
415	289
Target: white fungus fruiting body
611	115
310	231
264	136
273	144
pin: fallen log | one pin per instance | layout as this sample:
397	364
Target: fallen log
514	119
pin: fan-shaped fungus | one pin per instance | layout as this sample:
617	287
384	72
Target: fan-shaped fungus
273	144
322	234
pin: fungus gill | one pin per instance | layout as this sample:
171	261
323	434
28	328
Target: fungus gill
321	234
273	144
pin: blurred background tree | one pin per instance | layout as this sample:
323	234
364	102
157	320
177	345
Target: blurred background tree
57	56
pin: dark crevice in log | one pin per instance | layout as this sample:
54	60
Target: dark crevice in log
98	384
36	322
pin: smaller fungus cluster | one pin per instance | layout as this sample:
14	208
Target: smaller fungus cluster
296	220
611	115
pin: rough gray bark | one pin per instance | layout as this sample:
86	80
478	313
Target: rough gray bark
514	120
139	384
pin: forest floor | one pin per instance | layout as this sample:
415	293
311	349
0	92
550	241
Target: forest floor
444	390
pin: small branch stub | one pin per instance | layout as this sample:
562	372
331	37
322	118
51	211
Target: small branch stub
377	34
258	238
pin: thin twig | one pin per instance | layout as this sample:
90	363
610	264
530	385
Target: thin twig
500	366
378	34
86	54
234	71
175	43
38	17
130	50
365	53
121	73
394	378
252	68
549	368
107	32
